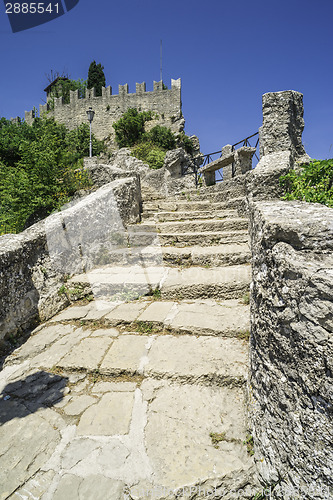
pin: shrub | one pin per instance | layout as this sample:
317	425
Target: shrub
130	128
150	154
41	170
312	183
183	141
162	137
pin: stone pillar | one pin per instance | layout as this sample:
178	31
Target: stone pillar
227	152
209	178
283	123
243	160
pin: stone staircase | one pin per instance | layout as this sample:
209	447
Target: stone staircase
144	395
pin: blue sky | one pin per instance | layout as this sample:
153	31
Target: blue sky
228	53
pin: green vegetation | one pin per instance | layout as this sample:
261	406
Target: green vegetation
40	169
311	183
249	444
150	147
246	298
131	127
96	77
62	89
217	437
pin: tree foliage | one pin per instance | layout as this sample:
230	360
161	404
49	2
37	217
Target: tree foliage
151	146
96	77
62	89
40	168
312	183
131	127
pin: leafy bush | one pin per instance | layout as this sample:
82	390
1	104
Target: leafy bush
150	154
40	168
183	141
151	146
312	183
155	159
162	137
130	128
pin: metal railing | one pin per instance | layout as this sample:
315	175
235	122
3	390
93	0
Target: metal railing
208	158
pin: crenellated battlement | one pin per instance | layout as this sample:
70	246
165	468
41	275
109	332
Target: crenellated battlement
109	107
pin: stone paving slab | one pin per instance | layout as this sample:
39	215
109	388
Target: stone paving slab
111	416
130	311
126	355
208	317
191	359
180	420
156	312
86	355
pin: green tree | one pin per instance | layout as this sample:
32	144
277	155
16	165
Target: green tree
131	126
62	89
96	77
41	169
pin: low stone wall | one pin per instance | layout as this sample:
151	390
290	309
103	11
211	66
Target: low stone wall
34	264
291	361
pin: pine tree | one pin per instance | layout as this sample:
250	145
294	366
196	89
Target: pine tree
96	77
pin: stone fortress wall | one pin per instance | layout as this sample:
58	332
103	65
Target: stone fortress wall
109	108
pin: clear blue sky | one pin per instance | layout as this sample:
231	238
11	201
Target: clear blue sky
228	53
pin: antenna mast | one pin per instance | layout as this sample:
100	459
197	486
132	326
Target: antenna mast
161	61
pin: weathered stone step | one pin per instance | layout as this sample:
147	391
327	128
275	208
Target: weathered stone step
228	318
130	282
215	193
217	282
177	227
184	205
148	256
189	215
204	239
185	359
215	255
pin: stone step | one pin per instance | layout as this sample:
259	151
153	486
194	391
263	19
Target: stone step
189	215
217	193
145	236
215	255
148	256
184	205
227	318
203	239
183	226
216	282
131	282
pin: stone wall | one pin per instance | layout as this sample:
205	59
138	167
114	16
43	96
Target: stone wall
109	108
291	347
34	264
